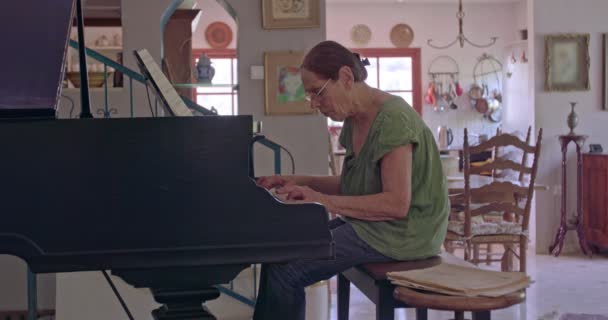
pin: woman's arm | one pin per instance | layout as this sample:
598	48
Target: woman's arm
390	204
329	185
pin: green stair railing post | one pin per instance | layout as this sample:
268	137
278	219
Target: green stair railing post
32	295
276	148
131	96
105	89
133	75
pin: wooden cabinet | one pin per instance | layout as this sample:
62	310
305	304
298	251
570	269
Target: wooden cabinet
177	44
595	199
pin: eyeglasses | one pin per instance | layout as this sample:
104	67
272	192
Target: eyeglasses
309	97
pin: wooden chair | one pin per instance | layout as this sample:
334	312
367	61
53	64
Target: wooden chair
499	153
505	202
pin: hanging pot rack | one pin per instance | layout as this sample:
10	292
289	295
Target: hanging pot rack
490	103
443	73
493	63
452	62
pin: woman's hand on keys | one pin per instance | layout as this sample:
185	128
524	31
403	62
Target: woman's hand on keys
271	182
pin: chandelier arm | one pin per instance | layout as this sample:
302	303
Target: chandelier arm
489	44
461	37
441	47
460	16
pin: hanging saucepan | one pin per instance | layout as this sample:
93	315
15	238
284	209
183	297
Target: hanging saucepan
496	115
494	107
429	98
442	104
481	105
477	100
493	104
476	92
452	95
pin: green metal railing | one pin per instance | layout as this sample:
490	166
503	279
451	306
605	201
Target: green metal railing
132	75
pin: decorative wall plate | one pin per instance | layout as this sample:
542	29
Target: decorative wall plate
218	35
360	34
402	35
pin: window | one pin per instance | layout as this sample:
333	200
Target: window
396	71
222	95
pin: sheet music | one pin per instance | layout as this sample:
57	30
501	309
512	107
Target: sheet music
164	87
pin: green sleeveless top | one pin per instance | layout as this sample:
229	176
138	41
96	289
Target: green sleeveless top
422	232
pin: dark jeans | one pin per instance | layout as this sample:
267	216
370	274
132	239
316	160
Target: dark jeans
281	294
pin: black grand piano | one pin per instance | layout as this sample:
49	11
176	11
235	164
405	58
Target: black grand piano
165	203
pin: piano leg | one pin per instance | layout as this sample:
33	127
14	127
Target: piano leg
182	291
182	304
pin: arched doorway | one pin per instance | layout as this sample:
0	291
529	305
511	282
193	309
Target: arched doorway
191	29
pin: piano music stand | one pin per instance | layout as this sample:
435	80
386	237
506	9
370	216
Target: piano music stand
164	91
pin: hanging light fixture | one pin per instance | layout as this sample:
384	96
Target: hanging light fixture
461	38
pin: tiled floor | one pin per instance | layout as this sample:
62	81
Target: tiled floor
568	284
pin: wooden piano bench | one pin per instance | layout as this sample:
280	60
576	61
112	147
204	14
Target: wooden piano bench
371	280
480	307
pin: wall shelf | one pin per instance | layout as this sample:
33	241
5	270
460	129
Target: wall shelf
518	43
205	85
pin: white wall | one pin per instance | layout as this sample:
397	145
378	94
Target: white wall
212	11
436	21
521	15
305	136
518	113
552	108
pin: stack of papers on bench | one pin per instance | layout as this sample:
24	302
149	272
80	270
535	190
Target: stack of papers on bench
455	280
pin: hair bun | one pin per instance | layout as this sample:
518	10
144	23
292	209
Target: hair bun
364	61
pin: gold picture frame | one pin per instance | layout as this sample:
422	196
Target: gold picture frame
284	14
283	89
567	62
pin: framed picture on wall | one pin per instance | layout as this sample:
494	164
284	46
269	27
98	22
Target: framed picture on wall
283	88
605	71
567	62
282	14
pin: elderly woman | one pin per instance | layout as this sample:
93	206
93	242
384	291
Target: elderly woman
391	197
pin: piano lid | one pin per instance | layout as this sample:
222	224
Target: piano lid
35	34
